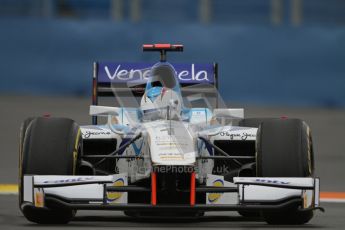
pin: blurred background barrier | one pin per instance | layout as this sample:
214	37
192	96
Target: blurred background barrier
289	52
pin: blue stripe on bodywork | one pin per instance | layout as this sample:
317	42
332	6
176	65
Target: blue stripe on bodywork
137	149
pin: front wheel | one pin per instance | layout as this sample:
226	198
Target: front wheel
284	149
49	147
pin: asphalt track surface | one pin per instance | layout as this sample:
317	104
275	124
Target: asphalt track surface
328	128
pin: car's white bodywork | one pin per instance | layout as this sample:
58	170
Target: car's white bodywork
167	142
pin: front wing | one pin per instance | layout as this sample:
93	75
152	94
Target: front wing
110	193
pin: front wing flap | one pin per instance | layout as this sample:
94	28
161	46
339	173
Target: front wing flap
110	192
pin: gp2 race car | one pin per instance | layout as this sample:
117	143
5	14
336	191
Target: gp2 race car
167	146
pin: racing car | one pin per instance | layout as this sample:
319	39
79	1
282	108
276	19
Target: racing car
163	143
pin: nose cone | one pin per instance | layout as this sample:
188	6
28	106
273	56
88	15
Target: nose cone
171	143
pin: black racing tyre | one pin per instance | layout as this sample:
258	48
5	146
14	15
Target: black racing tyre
23	128
284	149
50	147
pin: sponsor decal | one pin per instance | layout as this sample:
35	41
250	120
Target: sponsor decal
243	136
272	181
214	197
140	72
113	196
69	180
88	133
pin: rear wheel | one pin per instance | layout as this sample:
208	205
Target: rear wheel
284	149
49	147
